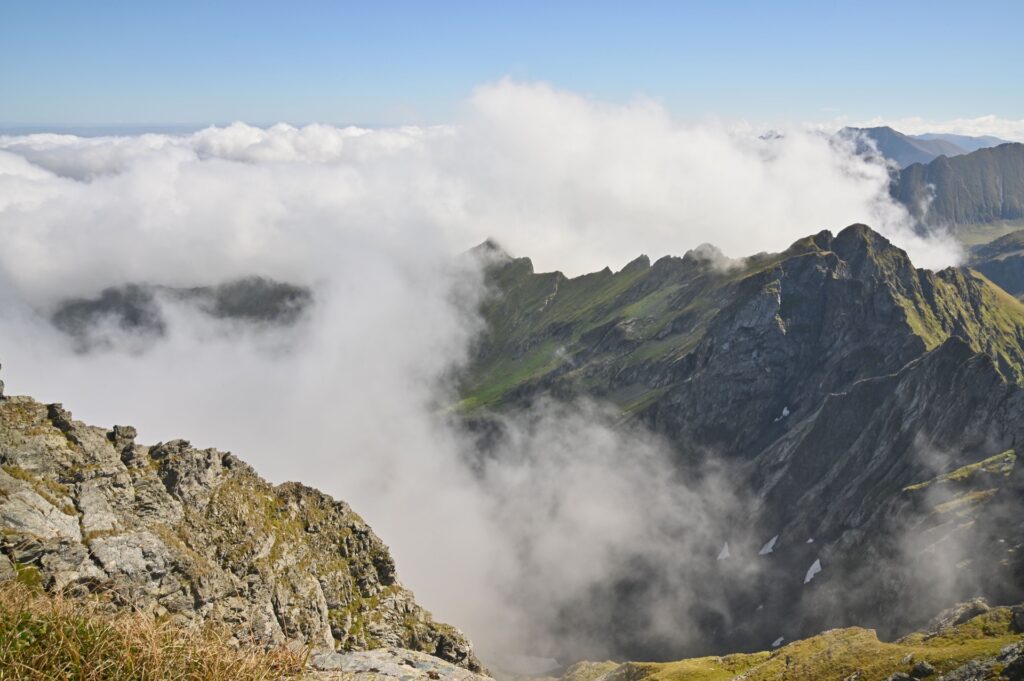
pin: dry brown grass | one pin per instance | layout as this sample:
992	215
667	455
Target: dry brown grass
45	636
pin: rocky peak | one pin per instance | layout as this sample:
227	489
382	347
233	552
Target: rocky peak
196	535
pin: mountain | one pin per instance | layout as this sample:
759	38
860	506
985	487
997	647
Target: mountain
903	150
195	536
965	142
868	413
136	308
985	186
1002	261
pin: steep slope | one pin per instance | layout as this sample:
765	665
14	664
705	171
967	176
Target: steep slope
985	186
898	148
196	536
1002	261
830	380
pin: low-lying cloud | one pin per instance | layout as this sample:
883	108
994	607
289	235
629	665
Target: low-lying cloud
353	397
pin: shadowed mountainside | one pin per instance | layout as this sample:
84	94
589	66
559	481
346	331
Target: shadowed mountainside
837	382
1002	261
983	187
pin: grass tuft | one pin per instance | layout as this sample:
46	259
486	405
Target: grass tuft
49	637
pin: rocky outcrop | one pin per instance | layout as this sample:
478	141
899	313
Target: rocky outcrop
195	535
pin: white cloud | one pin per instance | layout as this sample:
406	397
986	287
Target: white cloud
348	400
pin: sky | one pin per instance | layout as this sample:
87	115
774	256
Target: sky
192	64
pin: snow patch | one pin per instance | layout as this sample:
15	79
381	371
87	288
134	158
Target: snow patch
813	570
724	553
769	546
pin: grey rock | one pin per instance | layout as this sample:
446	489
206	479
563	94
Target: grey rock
25	511
975	670
194	535
1017	621
388	663
957	614
922	670
7	571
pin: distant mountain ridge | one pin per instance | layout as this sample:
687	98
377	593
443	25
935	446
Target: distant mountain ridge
903	150
965	142
982	187
1002	261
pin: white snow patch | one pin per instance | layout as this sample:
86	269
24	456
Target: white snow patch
778	642
811	540
768	547
813	570
785	413
724	553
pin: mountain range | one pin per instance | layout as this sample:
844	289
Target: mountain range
972	186
904	150
867	414
984	187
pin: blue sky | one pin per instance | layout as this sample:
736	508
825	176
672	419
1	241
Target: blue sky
385	63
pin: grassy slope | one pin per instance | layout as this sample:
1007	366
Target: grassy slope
543	325
838	653
44	637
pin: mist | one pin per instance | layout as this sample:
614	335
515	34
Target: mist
355	397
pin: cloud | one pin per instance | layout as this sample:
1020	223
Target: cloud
352	399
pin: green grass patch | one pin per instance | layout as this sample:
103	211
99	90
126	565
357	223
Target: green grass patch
840	653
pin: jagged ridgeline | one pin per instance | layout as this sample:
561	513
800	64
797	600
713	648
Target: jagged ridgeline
195	536
869	414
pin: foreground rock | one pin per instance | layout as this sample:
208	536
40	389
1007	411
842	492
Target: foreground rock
385	664
196	536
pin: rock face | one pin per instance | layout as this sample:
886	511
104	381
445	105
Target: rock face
869	413
981	187
196	535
